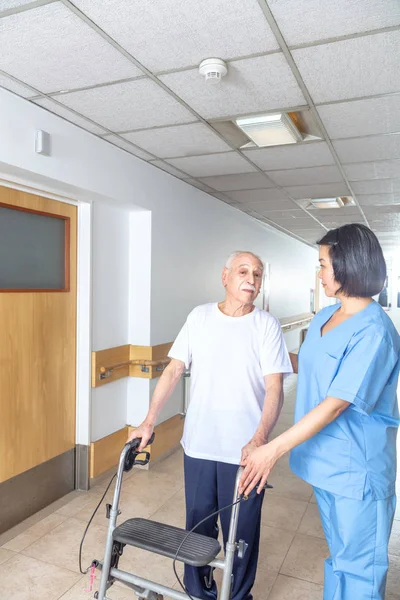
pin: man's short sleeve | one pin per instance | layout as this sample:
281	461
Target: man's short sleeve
274	354
180	349
364	371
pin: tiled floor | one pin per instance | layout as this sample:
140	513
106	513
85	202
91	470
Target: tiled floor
39	558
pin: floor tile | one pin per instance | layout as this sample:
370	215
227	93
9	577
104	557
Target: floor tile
25	578
394	544
305	559
172	512
283	513
289	588
74	506
23	540
61	545
286	484
311	522
79	590
263	585
150	566
274	545
393	580
5	555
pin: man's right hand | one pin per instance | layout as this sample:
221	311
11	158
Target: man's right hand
144	431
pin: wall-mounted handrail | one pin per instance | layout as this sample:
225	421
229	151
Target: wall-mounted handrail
160	365
288	323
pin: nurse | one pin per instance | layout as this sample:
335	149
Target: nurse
344	439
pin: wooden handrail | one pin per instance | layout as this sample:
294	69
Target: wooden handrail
141	362
288	323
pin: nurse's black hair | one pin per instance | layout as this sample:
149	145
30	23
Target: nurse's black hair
357	260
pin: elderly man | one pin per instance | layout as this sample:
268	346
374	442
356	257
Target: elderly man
237	358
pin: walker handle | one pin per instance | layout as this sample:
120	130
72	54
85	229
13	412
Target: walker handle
131	456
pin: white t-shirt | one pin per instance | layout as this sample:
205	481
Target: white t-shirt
228	358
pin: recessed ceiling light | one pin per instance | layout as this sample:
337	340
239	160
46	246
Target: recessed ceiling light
331	202
270	130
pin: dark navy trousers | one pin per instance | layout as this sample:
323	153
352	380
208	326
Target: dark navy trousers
209	485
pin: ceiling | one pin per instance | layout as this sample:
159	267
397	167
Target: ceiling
127	70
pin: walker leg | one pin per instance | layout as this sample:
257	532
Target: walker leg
231	545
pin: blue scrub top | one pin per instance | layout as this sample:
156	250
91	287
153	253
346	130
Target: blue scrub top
357	361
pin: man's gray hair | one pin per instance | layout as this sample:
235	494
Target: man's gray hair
233	255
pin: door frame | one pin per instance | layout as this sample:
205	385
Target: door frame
83	322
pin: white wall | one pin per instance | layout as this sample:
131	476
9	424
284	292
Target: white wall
192	245
110	308
184	234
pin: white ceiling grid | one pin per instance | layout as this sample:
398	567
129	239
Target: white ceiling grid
128	71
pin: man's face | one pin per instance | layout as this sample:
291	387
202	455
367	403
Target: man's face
243	280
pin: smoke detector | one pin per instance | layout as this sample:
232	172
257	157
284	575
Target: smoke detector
213	69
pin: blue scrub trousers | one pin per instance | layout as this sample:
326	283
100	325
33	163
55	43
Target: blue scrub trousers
357	532
209	485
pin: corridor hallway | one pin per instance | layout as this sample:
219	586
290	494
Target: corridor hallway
39	558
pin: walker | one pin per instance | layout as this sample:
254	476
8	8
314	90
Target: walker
178	544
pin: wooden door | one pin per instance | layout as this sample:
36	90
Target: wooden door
37	350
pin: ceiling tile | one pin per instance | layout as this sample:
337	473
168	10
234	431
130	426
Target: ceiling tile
314	234
117	141
266	206
295	223
259	195
212	164
323	190
384	169
364	66
291	156
52	49
382	186
63	112
283	214
9	4
361	117
311	20
309	176
251	85
367	149
179	140
340	217
199	185
378	199
179	33
15	87
382	210
346	211
242	181
169	169
130	105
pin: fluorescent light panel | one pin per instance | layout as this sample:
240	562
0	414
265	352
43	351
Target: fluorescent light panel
327	202
270	130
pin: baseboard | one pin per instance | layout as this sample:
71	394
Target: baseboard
27	493
104	453
167	437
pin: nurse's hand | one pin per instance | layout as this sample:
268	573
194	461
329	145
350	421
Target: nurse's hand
258	465
247	450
